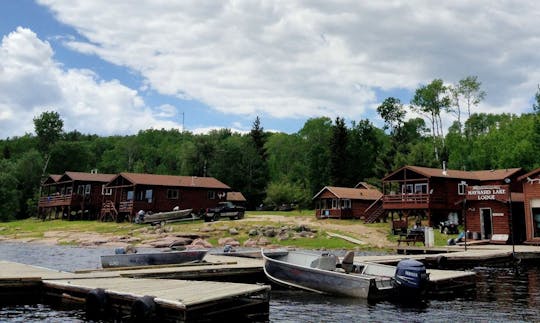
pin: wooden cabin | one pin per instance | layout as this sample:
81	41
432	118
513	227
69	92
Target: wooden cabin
435	194
531	199
345	202
73	194
237	198
132	192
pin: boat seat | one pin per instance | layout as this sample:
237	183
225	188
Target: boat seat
325	262
347	263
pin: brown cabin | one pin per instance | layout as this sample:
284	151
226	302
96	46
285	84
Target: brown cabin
73	194
131	192
436	194
345	202
531	199
237	198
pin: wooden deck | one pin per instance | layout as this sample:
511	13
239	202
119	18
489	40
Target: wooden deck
174	300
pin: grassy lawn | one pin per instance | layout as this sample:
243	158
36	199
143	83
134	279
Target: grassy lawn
34	228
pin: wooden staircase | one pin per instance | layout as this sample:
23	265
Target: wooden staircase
108	209
375	211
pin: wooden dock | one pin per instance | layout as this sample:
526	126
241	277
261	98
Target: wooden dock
109	295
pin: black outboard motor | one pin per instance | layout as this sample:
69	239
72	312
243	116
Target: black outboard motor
411	277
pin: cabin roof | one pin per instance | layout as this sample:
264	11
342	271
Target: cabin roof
352	193
52	179
365	186
235	197
172	180
530	174
480	175
85	177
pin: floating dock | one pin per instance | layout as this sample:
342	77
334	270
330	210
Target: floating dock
106	294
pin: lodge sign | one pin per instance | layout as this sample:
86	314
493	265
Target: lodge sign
488	192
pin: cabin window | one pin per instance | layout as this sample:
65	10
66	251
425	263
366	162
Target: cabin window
334	203
346	204
211	195
148	195
69	190
173	194
87	189
130	196
106	190
461	188
536	221
80	189
420	188
407	188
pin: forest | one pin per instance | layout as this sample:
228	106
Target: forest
276	168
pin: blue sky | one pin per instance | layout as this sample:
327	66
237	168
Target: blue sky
123	66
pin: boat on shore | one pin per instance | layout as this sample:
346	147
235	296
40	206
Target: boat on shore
169	216
153	258
326	273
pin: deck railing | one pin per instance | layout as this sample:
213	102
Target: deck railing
412	200
59	200
125	206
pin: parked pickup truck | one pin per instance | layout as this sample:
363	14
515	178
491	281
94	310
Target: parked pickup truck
225	209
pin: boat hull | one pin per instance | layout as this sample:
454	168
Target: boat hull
167	216
150	259
300	275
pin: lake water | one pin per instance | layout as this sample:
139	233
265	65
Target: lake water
502	295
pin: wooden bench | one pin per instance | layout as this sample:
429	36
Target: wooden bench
412	237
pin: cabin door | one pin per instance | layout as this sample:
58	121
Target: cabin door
486	223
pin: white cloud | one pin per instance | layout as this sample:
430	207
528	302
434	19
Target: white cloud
285	59
305	59
32	82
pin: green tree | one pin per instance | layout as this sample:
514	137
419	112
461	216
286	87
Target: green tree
317	133
364	145
468	92
338	153
10	196
278	193
430	100
393	113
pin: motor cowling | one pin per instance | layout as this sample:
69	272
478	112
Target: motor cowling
411	274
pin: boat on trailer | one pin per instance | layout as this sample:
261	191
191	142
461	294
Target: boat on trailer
170	216
326	273
152	258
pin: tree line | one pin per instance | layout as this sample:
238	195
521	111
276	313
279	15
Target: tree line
275	168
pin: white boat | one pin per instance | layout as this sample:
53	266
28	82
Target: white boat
326	273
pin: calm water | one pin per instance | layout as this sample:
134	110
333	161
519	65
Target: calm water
502	295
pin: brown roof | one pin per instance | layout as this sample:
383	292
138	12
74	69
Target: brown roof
352	193
481	175
85	177
365	185
171	180
529	174
235	197
52	179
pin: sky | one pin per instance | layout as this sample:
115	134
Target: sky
118	67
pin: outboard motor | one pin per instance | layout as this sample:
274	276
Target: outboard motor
411	277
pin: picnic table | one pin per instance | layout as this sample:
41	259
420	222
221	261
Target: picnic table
412	236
